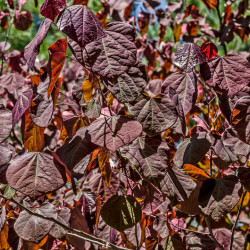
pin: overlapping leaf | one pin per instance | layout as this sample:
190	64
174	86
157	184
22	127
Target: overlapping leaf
155	114
228	74
32	49
5	124
35	174
32	228
130	84
114	131
187	56
218	197
51	8
121	212
185	86
110	56
80	24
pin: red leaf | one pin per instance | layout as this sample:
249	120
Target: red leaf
209	49
51	8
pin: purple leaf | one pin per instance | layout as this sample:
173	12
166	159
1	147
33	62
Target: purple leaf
199	242
130	84
187	56
7	152
80	24
51	8
110	56
114	131
32	49
35	174
11	82
5	124
185	86
32	228
22	104
228	74
218	197
240	119
155	114
154	87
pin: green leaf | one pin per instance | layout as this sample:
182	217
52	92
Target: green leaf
121	212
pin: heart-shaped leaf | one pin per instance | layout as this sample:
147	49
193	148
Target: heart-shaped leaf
130	84
185	86
32	49
32	228
22	104
114	131
121	212
110	56
149	155
5	124
51	8
155	114
228	74
187	56
80	24
35	174
240	118
218	197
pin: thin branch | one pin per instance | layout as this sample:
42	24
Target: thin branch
236	221
211	233
188	230
91	238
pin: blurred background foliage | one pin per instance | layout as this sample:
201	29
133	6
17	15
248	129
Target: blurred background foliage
19	39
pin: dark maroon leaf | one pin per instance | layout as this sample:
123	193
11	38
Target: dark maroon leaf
121	212
22	20
149	156
218	197
191	151
185	86
75	149
130	84
110	56
240	118
7	152
32	228
22	104
64	216
32	49
35	174
244	175
155	114
114	131
187	56
80	24
228	74
51	8
177	185
5	124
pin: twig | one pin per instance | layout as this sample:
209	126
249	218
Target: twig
91	238
236	221
188	230
211	233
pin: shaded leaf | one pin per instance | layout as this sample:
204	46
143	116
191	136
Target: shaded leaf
32	228
228	74
177	185
5	124
200	242
51	8
114	131
11	82
155	114
191	151
35	174
130	84
149	156
185	86
6	153
187	56
121	212
93	109
243	175
110	56
218	197
80	24
32	49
